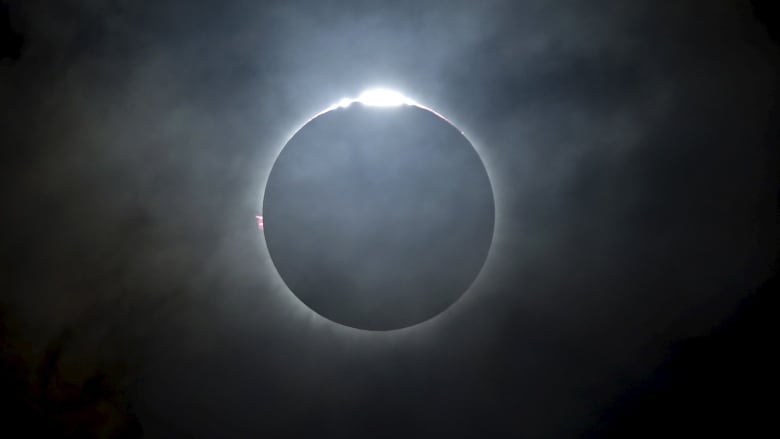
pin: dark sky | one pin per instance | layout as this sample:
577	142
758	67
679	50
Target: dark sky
632	151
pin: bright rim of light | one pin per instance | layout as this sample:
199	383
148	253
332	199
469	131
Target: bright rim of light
378	97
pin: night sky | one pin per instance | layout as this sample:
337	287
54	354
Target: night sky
629	290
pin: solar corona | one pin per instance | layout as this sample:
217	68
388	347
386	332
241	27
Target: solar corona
378	213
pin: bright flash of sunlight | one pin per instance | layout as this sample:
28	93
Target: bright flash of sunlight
374	97
380	97
377	97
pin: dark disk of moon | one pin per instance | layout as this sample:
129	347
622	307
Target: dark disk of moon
378	218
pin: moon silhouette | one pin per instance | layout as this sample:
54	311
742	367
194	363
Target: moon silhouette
378	217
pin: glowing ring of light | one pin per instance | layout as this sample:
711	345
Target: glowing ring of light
383	97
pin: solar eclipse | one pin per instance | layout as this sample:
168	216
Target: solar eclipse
378	213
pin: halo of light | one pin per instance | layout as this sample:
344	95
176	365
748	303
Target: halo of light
381	97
